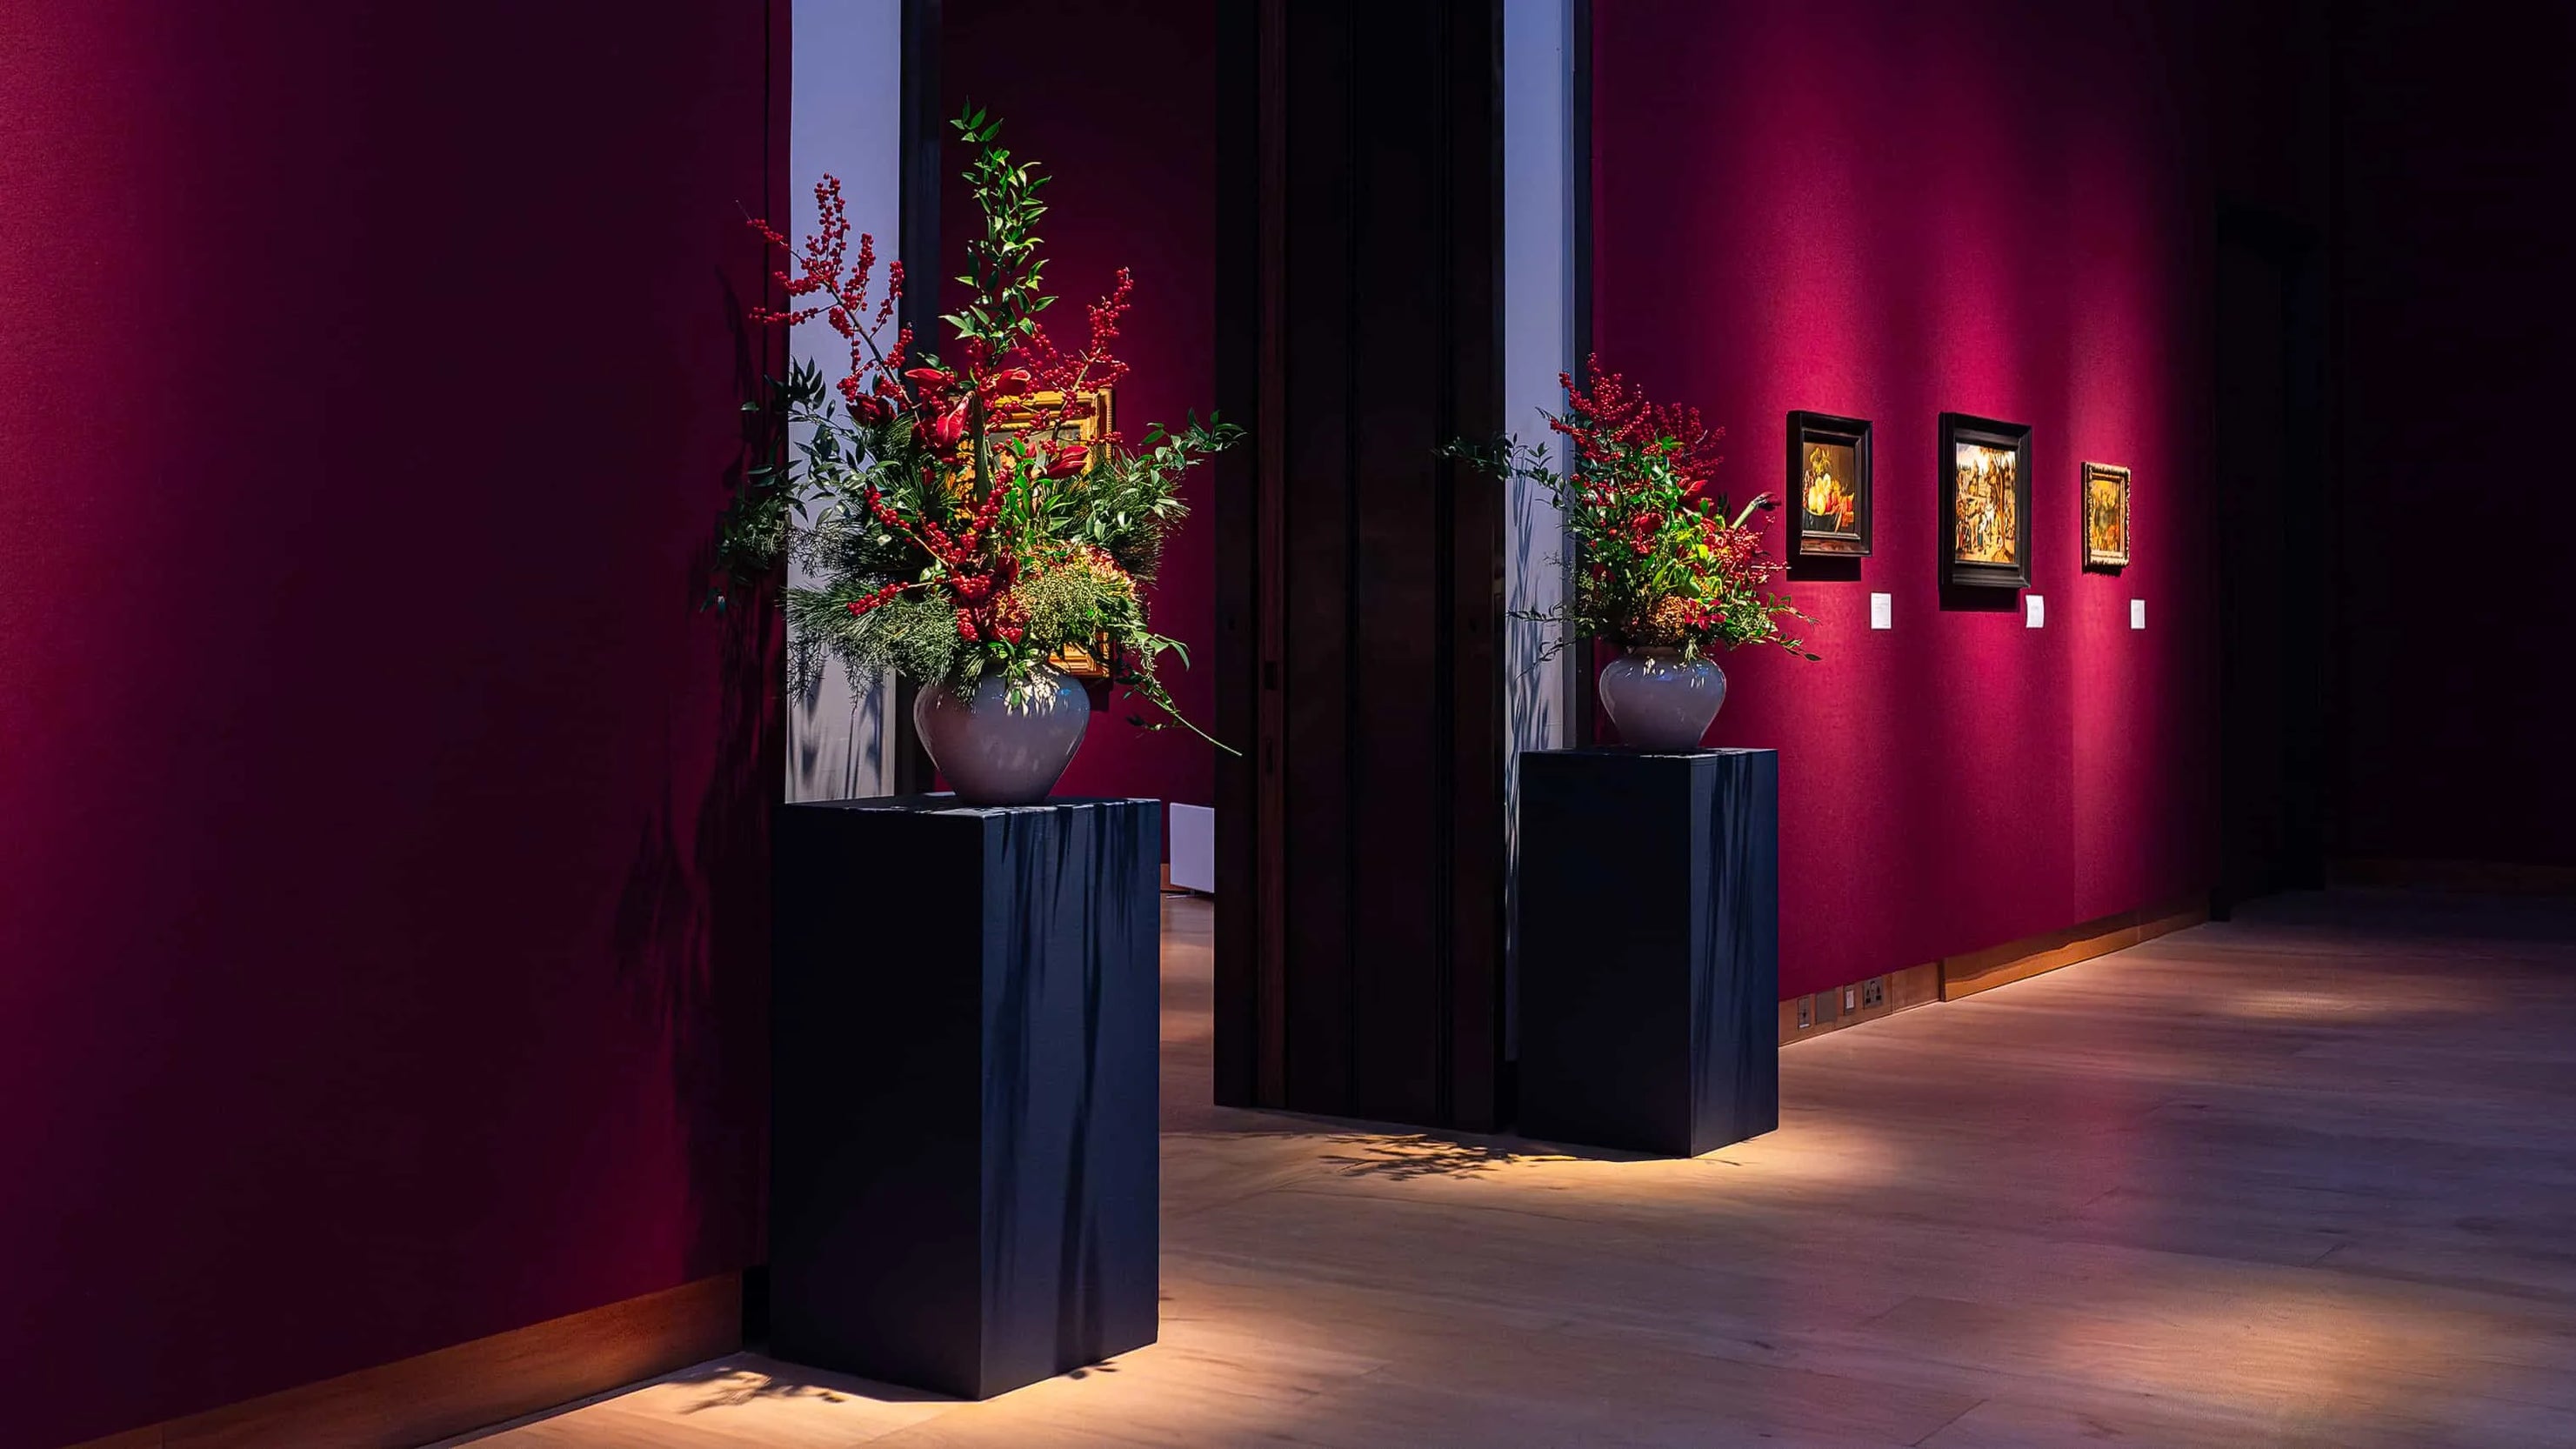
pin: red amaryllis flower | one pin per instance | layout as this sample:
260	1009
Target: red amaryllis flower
947	428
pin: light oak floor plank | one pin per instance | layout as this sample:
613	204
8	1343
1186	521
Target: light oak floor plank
2303	1178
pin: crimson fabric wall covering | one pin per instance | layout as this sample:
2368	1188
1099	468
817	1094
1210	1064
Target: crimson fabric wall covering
380	873
1887	212
1118	98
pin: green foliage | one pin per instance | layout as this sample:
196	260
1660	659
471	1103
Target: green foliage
1125	505
1003	257
753	530
915	637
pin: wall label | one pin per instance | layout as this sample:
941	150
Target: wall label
1882	611
2034	611
2137	613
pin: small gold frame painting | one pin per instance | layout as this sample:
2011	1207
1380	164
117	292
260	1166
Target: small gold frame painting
1081	663
1091	419
2106	516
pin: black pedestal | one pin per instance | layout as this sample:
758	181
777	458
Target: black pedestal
1648	950
963	1172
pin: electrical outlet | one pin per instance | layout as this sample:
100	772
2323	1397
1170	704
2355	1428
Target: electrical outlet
1806	1013
1873	992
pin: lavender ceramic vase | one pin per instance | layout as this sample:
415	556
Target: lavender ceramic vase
1659	701
996	751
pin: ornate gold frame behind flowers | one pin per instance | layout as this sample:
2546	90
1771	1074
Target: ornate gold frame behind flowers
1093	419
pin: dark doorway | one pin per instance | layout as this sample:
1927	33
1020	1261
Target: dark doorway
1360	576
2275	546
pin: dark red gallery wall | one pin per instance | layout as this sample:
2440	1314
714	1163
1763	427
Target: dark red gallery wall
1889	211
2457	305
374	966
1118	98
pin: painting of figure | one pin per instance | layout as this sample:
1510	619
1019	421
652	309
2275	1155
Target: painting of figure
1828	486
1985	514
2106	516
1985	477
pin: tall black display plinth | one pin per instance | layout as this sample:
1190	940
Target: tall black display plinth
963	1172
1648	951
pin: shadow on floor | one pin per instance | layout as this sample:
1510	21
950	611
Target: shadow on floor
1383	1151
1415	1154
751	1376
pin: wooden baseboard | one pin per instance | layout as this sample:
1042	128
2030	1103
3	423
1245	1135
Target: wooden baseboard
2480	877
2020	960
1803	1018
491	1380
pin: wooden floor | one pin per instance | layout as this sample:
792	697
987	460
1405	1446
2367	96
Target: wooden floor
2304	1178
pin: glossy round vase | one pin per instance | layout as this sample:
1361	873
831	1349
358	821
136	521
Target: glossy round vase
997	751
1659	701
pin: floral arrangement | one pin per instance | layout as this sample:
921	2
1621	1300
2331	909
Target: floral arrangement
970	515
1658	562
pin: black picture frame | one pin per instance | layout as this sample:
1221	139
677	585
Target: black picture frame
1960	430
1811	429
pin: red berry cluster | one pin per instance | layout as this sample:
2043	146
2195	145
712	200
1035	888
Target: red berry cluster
879	599
1095	368
1611	418
822	271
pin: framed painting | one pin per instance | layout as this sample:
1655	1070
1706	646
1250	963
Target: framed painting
1090	417
1985	503
2106	516
1828	486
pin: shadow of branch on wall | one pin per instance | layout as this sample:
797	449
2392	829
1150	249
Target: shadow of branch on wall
691	931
